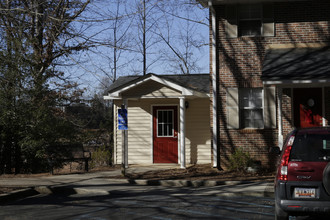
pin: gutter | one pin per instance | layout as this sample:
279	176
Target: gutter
214	86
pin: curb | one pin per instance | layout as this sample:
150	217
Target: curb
64	190
69	190
185	183
16	195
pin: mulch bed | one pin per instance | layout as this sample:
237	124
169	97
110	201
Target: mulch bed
201	172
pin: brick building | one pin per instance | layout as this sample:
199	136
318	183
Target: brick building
270	73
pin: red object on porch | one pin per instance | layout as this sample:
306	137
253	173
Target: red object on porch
308	107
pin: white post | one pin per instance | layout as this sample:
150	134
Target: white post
214	87
280	124
182	133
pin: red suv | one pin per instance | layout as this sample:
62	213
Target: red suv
302	184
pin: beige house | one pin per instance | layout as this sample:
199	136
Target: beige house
168	119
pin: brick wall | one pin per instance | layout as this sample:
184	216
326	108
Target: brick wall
287	118
240	64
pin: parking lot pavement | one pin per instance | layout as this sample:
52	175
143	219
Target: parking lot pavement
142	202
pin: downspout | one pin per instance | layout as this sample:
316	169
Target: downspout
214	86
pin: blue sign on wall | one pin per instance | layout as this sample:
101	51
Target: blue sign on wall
122	119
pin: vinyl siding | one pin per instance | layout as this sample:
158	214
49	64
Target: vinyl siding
151	89
198	136
139	134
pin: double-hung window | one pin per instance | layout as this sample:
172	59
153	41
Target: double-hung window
251	108
249	17
250	20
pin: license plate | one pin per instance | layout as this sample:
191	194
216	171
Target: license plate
304	192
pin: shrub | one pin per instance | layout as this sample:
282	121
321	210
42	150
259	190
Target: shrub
239	160
100	157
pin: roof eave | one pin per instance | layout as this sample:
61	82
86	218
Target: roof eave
296	81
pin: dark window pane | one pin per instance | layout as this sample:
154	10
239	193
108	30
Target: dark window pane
166	130
170	117
245	118
165	116
257	98
247	123
170	127
249	28
246	102
160	130
258	123
257	114
160	117
310	147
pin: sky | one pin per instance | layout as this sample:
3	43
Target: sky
172	29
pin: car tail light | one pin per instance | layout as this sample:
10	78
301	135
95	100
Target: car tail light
294	206
285	160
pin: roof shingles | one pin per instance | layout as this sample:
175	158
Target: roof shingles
197	82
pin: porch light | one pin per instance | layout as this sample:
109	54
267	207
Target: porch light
186	104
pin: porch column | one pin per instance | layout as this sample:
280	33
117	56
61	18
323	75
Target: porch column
182	133
214	85
280	124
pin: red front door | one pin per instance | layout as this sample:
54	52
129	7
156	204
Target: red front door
307	107
165	133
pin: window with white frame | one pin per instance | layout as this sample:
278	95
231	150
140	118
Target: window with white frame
251	108
165	123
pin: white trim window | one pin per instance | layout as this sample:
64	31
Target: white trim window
165	123
250	20
251	108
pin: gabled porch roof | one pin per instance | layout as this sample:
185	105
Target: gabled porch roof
188	85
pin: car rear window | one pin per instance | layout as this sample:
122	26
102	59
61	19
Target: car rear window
311	147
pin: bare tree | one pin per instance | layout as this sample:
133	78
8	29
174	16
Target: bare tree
135	37
147	17
183	42
115	39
